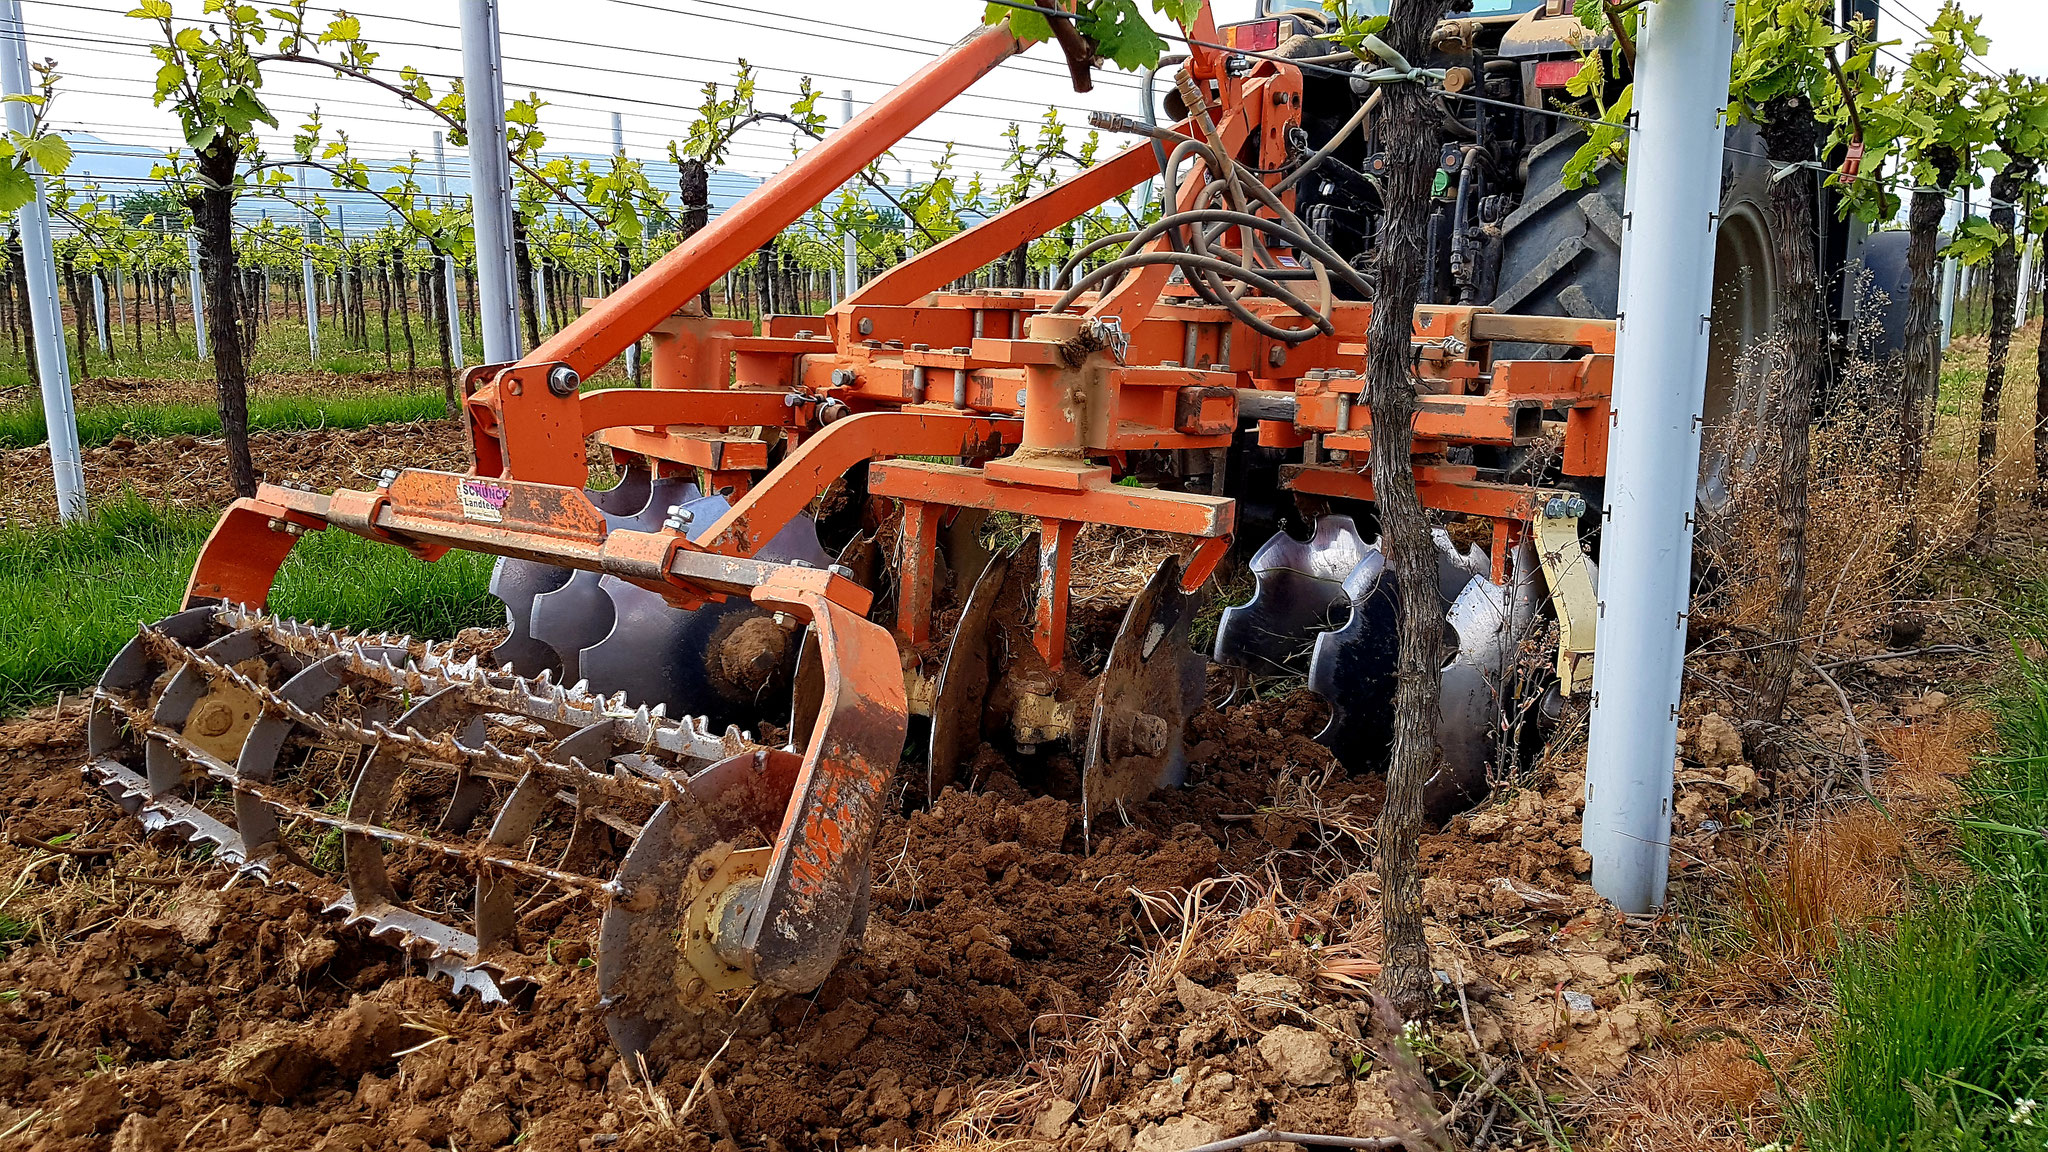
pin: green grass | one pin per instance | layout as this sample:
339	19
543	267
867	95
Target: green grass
22	426
281	348
74	593
1941	1029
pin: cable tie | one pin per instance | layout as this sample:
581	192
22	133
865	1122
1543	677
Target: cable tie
1398	69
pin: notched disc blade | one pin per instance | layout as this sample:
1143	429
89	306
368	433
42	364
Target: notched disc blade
1150	684
1354	668
1479	682
727	661
1300	593
516	583
571	618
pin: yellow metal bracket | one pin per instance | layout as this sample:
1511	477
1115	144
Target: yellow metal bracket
1570	576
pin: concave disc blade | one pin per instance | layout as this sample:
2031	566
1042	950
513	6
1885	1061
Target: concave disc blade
516	582
727	661
1300	593
1150	684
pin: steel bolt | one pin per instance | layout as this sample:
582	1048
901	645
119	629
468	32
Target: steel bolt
1150	734
1277	356
804	333
562	380
867	326
920	347
801	564
385	477
841	571
960	350
1572	506
842	378
677	517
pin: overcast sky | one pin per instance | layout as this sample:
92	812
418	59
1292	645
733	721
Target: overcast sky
647	59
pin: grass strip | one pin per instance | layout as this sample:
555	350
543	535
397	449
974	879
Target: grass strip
22	426
1940	1034
73	593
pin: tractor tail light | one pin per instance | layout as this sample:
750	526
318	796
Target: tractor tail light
1556	73
1258	36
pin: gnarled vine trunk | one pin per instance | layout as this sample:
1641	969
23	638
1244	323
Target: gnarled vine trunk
213	214
1790	136
2005	279
1411	125
1923	342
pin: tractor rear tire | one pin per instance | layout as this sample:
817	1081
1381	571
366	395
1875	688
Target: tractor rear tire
1561	253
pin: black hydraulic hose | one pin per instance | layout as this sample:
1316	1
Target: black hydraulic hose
1159	150
1365	108
1461	219
1305	242
1221	268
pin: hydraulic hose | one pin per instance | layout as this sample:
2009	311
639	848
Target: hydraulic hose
1223	268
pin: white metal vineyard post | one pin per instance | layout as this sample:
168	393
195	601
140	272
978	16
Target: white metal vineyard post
454	305
39	260
1673	205
540	295
619	151
311	289
2026	278
198	295
490	180
849	254
99	312
1949	271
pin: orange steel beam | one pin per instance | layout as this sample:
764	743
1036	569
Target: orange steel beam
755	518
602	333
1002	233
1446	487
701	407
1182	513
1055	568
919	543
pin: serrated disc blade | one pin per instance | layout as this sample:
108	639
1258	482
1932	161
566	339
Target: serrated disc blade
516	582
1490	622
571	618
1354	668
725	661
1300	593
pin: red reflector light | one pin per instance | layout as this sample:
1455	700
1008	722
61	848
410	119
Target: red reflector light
1556	73
1258	36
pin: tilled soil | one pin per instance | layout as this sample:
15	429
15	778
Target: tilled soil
169	1011
1195	973
191	471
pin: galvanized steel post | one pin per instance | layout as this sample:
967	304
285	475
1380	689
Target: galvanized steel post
1669	222
490	180
53	365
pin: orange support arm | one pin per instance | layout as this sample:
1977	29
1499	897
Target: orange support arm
999	234
602	333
